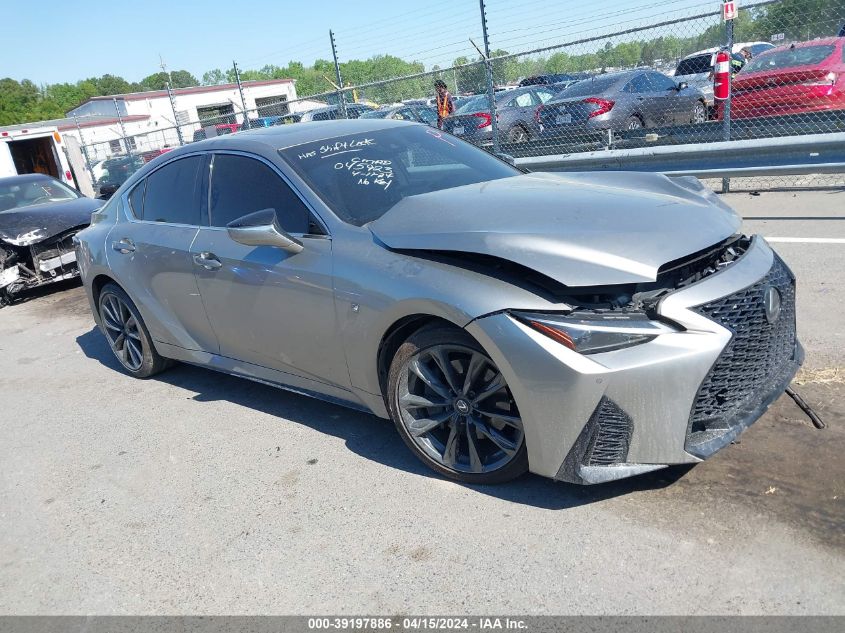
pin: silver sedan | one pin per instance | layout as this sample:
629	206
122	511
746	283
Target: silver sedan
585	327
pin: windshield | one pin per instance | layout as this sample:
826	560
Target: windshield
695	65
116	171
789	58
587	87
474	104
361	176
376	114
41	191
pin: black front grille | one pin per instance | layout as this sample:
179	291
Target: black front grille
752	363
611	435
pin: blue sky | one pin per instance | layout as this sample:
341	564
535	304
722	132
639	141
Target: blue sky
125	38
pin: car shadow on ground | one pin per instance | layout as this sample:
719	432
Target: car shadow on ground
369	436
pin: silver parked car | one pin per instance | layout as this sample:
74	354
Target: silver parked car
515	110
626	100
586	327
696	69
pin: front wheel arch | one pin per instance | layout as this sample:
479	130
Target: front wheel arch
397	334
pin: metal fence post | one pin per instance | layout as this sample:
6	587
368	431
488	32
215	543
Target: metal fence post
726	107
122	128
82	145
490	91
241	91
340	95
175	116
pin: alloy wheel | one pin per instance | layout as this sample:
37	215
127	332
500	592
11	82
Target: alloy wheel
518	135
634	124
699	113
457	407
122	332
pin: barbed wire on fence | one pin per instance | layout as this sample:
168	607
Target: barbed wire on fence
574	84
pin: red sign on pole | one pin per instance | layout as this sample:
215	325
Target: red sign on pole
729	10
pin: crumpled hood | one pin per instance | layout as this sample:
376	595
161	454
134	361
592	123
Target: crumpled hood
36	223
581	229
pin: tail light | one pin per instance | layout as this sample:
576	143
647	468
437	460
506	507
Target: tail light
828	80
486	119
604	106
537	113
68	175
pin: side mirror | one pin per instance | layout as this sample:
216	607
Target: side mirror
262	229
683	85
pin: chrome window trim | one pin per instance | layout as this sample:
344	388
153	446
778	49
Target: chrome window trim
129	212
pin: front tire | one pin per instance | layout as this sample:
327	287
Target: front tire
454	410
127	334
699	113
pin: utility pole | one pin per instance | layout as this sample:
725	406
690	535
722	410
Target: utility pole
122	128
172	101
340	95
726	108
490	91
241	90
84	149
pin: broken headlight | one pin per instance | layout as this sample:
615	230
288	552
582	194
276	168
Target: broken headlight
592	333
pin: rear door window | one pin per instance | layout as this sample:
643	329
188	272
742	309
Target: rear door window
639	84
241	185
523	101
172	192
136	199
660	83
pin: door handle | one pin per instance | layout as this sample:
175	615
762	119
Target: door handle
207	260
124	246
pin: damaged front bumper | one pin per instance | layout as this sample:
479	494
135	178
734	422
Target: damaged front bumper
673	400
46	262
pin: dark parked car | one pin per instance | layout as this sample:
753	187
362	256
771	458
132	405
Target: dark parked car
557	78
38	218
585	326
514	108
210	131
117	170
328	113
417	113
621	101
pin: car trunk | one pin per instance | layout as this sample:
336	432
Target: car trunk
473	126
571	112
766	92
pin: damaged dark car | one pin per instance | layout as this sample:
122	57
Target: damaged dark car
39	216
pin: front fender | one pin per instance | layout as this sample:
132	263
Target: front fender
376	287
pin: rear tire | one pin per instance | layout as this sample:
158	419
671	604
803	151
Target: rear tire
518	134
127	335
471	432
634	123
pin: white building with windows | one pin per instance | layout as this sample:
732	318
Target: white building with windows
151	122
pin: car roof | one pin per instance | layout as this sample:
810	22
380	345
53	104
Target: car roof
11	180
281	136
820	42
734	49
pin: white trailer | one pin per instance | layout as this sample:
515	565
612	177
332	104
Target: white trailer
36	150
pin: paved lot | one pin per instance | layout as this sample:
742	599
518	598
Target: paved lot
200	493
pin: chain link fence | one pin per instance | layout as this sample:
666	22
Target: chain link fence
635	75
